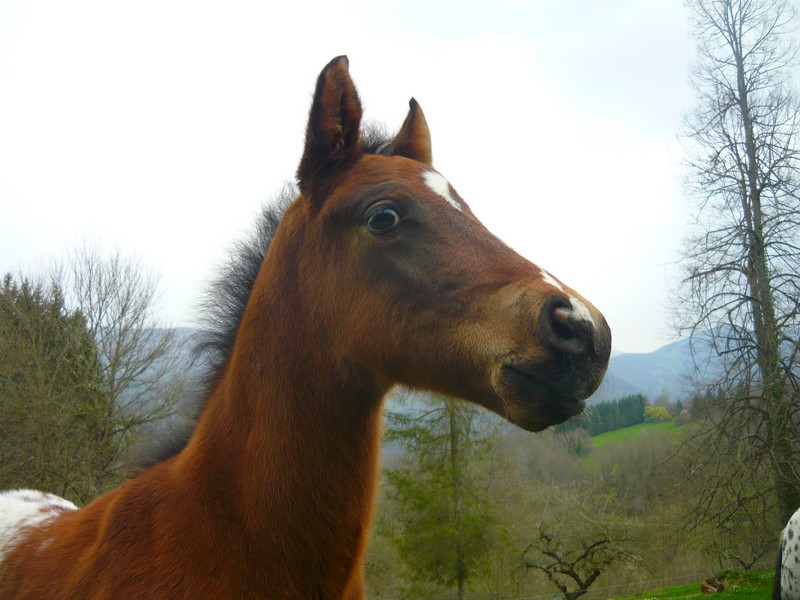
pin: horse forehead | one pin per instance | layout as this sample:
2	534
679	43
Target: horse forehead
409	172
439	185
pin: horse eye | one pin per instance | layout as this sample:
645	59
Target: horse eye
383	219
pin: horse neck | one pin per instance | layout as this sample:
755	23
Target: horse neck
289	441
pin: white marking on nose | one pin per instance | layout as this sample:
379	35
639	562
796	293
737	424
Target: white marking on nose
547	278
436	182
579	310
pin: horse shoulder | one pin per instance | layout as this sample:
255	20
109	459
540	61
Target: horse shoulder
46	543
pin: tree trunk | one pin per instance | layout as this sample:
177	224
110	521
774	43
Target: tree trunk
767	332
455	466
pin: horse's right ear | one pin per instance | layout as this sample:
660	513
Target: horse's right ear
332	136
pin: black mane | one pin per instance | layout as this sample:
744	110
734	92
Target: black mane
223	308
227	296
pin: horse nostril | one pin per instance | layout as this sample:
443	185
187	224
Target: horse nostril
563	326
564	329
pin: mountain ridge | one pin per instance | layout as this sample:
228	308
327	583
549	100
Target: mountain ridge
668	370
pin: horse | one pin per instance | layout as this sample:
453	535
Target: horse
787	569
376	274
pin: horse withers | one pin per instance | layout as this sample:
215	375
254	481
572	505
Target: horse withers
376	273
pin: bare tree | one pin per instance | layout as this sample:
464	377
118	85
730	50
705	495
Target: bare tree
731	518
572	570
582	533
742	286
140	378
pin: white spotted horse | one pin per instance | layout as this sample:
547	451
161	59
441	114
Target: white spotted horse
787	570
376	273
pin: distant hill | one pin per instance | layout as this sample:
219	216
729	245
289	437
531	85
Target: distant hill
669	369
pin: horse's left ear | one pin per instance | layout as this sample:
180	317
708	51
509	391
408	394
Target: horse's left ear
414	138
332	136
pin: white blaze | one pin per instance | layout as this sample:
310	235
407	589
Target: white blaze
547	278
441	186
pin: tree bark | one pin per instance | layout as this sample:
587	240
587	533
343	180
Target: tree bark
767	333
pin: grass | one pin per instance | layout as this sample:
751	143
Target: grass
633	432
747	586
744	586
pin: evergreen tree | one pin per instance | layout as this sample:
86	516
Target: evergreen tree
83	367
48	377
444	527
608	416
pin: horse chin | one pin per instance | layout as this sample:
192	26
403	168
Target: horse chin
532	403
534	418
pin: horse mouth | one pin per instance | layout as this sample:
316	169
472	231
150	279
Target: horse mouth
534	401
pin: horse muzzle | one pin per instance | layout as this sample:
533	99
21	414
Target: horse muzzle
553	386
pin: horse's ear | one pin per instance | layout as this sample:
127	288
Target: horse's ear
332	136
414	138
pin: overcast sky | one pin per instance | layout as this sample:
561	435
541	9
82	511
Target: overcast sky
160	127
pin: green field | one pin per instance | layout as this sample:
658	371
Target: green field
750	586
633	432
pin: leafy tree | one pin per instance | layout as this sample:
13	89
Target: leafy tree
742	283
48	376
657	413
444	527
83	368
